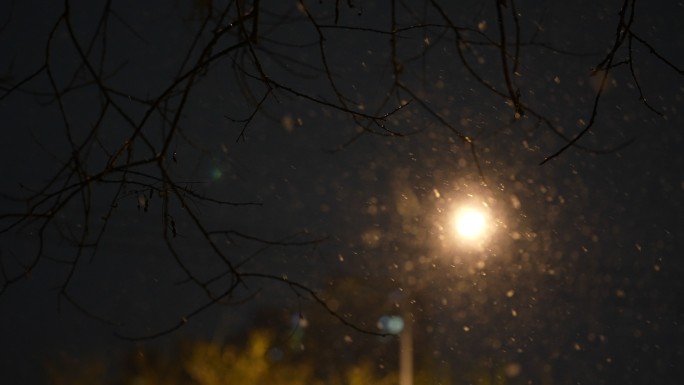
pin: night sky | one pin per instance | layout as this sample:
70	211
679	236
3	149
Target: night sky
186	163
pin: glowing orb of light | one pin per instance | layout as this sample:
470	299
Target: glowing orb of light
391	324
215	173
470	223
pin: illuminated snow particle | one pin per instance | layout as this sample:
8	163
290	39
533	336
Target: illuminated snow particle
515	202
513	370
288	123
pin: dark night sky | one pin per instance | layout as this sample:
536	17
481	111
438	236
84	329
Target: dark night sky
583	271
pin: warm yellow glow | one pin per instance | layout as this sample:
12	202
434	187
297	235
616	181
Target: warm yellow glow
470	223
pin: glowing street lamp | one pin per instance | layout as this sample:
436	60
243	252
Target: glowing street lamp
471	225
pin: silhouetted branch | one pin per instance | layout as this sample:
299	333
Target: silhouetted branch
299	287
603	69
128	149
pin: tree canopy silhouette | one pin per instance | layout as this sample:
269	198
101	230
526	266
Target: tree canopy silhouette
135	101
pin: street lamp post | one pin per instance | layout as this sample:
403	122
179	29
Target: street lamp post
470	226
406	352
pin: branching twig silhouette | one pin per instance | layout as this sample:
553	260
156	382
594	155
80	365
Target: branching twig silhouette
240	42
